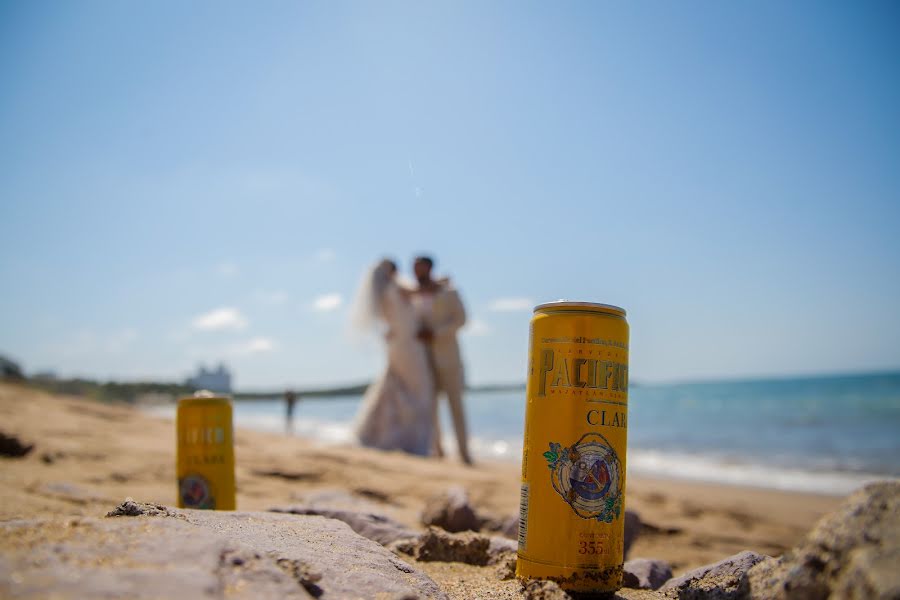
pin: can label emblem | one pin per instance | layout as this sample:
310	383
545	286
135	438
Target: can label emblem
196	493
587	475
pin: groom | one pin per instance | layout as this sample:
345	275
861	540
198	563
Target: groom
442	316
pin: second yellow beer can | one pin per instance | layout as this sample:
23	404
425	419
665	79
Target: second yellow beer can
571	521
205	457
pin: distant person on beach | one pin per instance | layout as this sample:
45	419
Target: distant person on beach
397	411
441	314
290	398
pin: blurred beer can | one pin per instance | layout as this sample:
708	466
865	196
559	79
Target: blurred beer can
205	457
572	509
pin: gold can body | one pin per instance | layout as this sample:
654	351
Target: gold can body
571	526
205	461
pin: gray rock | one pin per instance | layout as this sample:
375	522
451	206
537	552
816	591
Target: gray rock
506	567
467	547
724	580
376	527
646	574
851	553
501	545
451	511
165	552
337	499
870	573
543	590
632	530
505	526
134	558
510	527
130	508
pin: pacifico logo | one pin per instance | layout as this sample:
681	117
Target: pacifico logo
557	371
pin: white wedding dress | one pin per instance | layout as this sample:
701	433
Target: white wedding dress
397	411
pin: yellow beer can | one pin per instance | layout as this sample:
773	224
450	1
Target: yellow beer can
571	518
205	462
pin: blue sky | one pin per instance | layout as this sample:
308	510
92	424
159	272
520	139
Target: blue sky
203	182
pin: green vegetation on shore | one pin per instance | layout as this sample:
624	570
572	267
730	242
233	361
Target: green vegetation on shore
110	391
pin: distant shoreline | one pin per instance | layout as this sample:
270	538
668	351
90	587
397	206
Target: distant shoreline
358	390
113	391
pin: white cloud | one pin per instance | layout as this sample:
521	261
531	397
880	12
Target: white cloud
272	298
477	328
226	318
328	302
511	304
255	345
227	269
325	255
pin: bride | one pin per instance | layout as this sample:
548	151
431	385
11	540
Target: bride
397	411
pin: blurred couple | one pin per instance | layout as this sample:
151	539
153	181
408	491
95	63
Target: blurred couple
400	409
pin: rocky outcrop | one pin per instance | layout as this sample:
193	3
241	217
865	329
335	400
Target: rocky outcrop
375	527
468	547
632	530
506	526
151	551
853	552
130	508
134	558
724	580
646	573
451	511
12	447
543	590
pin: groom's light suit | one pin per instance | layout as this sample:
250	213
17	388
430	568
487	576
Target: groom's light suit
446	317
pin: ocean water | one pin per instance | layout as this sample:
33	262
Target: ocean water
823	434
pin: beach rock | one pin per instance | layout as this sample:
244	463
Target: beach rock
130	508
505	526
632	530
501	545
348	562
451	511
376	527
467	547
850	553
155	551
132	558
13	447
724	580
543	590
646	574
336	499
506	568
871	574
510	527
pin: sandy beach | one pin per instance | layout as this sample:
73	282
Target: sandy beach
88	457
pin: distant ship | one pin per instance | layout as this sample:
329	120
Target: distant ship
214	380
